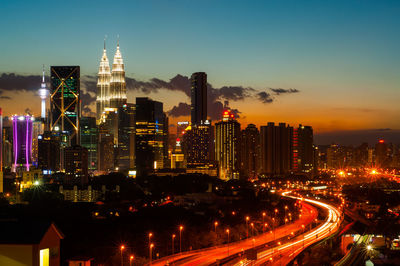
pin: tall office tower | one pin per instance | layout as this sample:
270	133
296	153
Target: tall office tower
276	149
250	151
361	155
49	152
381	154
65	101
38	129
117	85
89	140
151	132
197	144
126	137
198	107
22	142
303	149
105	151
109	123
103	86
76	165
227	146
43	94
7	147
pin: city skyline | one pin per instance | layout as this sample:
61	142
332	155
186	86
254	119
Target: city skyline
342	85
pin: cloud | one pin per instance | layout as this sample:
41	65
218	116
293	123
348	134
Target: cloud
281	91
215	96
5	98
183	109
265	97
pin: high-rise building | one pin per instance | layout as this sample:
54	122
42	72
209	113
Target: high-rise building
105	152
89	140
276	149
109	123
151	136
65	101
250	151
38	129
43	94
227	146
126	137
381	154
303	149
76	165
22	142
103	86
117	84
197	142
198	107
49	152
1	152
7	147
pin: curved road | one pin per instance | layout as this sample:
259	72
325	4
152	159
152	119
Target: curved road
211	255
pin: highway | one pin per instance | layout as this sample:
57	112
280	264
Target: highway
284	253
211	255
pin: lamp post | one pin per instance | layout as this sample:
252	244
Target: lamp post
131	260
263	218
151	246
122	250
286	207
227	231
247	226
173	246
180	238
215	227
252	229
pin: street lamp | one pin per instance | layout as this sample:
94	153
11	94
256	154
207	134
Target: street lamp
263	217
180	238
227	231
173	246
131	260
150	235
150	250
302	226
252	229
122	249
215	226
247	226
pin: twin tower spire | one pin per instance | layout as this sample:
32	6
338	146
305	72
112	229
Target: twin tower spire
111	86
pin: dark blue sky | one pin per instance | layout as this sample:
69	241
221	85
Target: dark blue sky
343	56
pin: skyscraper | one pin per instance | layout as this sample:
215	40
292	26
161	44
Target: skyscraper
381	154
49	152
198	107
105	151
126	137
250	151
103	85
89	141
151	136
22	142
117	85
276	149
303	149
197	144
227	146
76	164
43	94
65	101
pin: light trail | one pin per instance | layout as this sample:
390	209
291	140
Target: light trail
330	225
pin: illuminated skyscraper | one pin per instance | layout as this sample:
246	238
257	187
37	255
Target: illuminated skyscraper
89	139
65	101
22	142
76	164
103	86
43	94
250	151
151	136
303	149
227	146
126	137
198	97
117	85
197	144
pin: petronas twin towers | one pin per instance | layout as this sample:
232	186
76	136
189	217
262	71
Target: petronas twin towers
111	86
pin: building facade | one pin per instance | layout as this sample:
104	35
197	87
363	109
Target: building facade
22	142
65	101
198	106
250	151
103	85
227	146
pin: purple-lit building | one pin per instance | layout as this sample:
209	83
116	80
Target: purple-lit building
22	142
